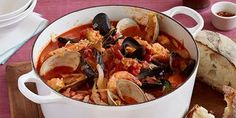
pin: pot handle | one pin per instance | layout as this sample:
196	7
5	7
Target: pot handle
30	77
189	12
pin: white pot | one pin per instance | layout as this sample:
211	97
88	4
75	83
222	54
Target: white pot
172	105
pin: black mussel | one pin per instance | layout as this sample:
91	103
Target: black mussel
109	40
189	69
162	84
175	60
110	34
91	72
87	69
101	23
159	63
159	72
65	40
139	51
99	59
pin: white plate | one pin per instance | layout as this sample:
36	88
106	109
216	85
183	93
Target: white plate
20	16
10	8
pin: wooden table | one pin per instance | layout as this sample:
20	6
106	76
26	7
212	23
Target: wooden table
53	9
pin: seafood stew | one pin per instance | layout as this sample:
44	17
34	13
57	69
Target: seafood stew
115	62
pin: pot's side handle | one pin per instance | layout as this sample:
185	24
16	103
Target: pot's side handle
190	12
30	77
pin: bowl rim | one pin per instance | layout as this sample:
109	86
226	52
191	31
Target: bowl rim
113	106
222	3
12	13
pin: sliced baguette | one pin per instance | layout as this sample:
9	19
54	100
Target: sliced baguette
217	65
230	98
199	112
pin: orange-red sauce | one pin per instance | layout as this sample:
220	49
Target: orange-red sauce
225	14
129	100
79	33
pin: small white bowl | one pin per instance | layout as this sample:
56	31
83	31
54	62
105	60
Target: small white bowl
19	17
12	24
10	8
221	22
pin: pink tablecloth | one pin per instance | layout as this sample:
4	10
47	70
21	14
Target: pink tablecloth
53	9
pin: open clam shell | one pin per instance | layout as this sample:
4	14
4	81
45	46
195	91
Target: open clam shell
67	59
112	98
126	23
130	92
152	27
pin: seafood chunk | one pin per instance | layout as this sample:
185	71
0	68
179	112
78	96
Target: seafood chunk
95	96
73	80
95	39
56	83
160	52
67	59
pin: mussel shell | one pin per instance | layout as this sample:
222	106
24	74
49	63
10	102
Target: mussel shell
159	71
87	69
99	59
66	40
102	23
159	84
109	40
189	69
139	49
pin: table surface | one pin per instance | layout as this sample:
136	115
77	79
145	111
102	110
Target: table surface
53	9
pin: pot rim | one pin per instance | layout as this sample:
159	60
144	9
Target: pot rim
112	106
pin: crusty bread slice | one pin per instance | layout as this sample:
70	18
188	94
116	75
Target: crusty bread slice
217	60
199	112
230	98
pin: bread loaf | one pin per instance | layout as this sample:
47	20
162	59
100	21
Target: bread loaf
217	65
230	98
199	112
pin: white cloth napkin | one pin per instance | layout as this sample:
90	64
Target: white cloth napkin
11	41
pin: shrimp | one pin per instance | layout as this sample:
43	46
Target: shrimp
121	75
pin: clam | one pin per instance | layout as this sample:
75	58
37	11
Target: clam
66	59
113	99
152	28
130	92
126	23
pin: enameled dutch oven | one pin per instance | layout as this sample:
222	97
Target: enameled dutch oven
172	105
